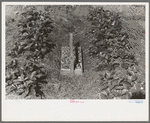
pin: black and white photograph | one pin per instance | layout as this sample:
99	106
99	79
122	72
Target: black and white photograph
75	52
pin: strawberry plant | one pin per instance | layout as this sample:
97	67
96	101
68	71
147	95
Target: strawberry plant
33	43
111	45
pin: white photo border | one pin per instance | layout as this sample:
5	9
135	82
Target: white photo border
63	110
